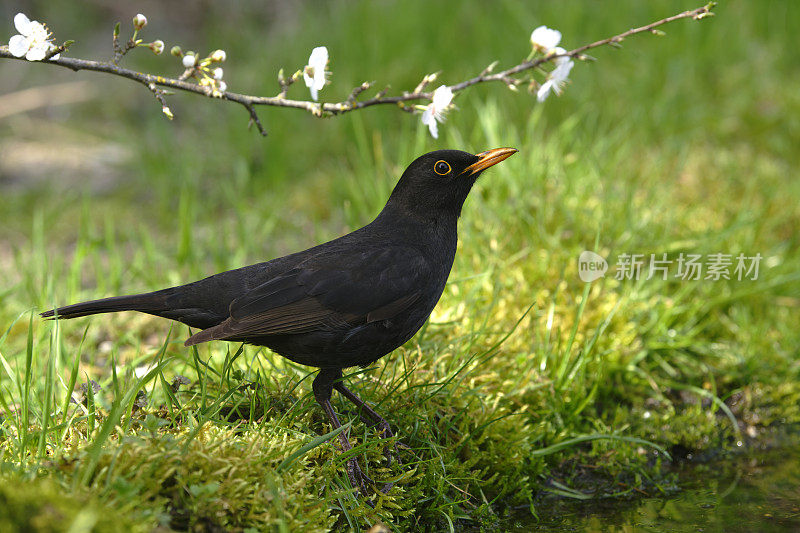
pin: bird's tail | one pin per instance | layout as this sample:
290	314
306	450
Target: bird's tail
152	302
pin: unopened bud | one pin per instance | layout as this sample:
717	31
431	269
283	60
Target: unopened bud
139	21
176	51
189	60
157	47
223	86
218	56
167	112
218	72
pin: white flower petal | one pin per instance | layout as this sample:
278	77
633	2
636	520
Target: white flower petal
36	53
427	116
429	119
442	97
38	32
545	38
318	57
18	45
314	72
434	112
561	72
308	79
544	91
434	129
22	23
319	79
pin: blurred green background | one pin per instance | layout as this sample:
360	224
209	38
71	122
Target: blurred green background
728	83
680	143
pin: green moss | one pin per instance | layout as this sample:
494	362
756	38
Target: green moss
221	478
42	505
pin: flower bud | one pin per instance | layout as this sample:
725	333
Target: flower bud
139	21
176	51
223	86
166	111
218	56
157	47
218	73
189	60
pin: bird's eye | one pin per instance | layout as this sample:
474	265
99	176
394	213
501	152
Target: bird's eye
442	168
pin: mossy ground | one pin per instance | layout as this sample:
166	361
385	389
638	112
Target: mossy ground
525	381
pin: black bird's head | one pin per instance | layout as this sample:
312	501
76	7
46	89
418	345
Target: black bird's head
437	183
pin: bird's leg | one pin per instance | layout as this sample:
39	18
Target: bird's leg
369	416
367	413
323	390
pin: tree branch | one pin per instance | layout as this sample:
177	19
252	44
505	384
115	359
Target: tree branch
249	102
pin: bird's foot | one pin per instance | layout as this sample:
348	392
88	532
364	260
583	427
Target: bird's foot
390	451
377	422
362	482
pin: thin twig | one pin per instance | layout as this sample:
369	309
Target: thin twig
254	119
352	103
357	91
158	93
577	53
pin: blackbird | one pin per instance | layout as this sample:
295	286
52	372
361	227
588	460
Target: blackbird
340	304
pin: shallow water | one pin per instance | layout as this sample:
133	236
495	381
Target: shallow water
758	493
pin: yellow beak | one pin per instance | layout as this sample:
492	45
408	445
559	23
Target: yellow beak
489	158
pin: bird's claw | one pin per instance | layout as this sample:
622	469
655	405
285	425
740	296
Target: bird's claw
361	481
390	451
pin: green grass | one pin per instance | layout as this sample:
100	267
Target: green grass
526	381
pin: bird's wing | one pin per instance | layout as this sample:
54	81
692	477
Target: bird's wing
329	290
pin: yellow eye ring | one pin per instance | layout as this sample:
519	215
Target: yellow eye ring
441	167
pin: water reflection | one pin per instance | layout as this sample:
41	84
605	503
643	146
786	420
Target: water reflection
755	494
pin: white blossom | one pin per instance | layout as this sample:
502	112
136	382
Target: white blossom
558	77
545	39
222	86
218	56
189	60
314	72
434	113
33	41
218	73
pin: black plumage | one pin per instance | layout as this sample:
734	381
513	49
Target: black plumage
343	303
